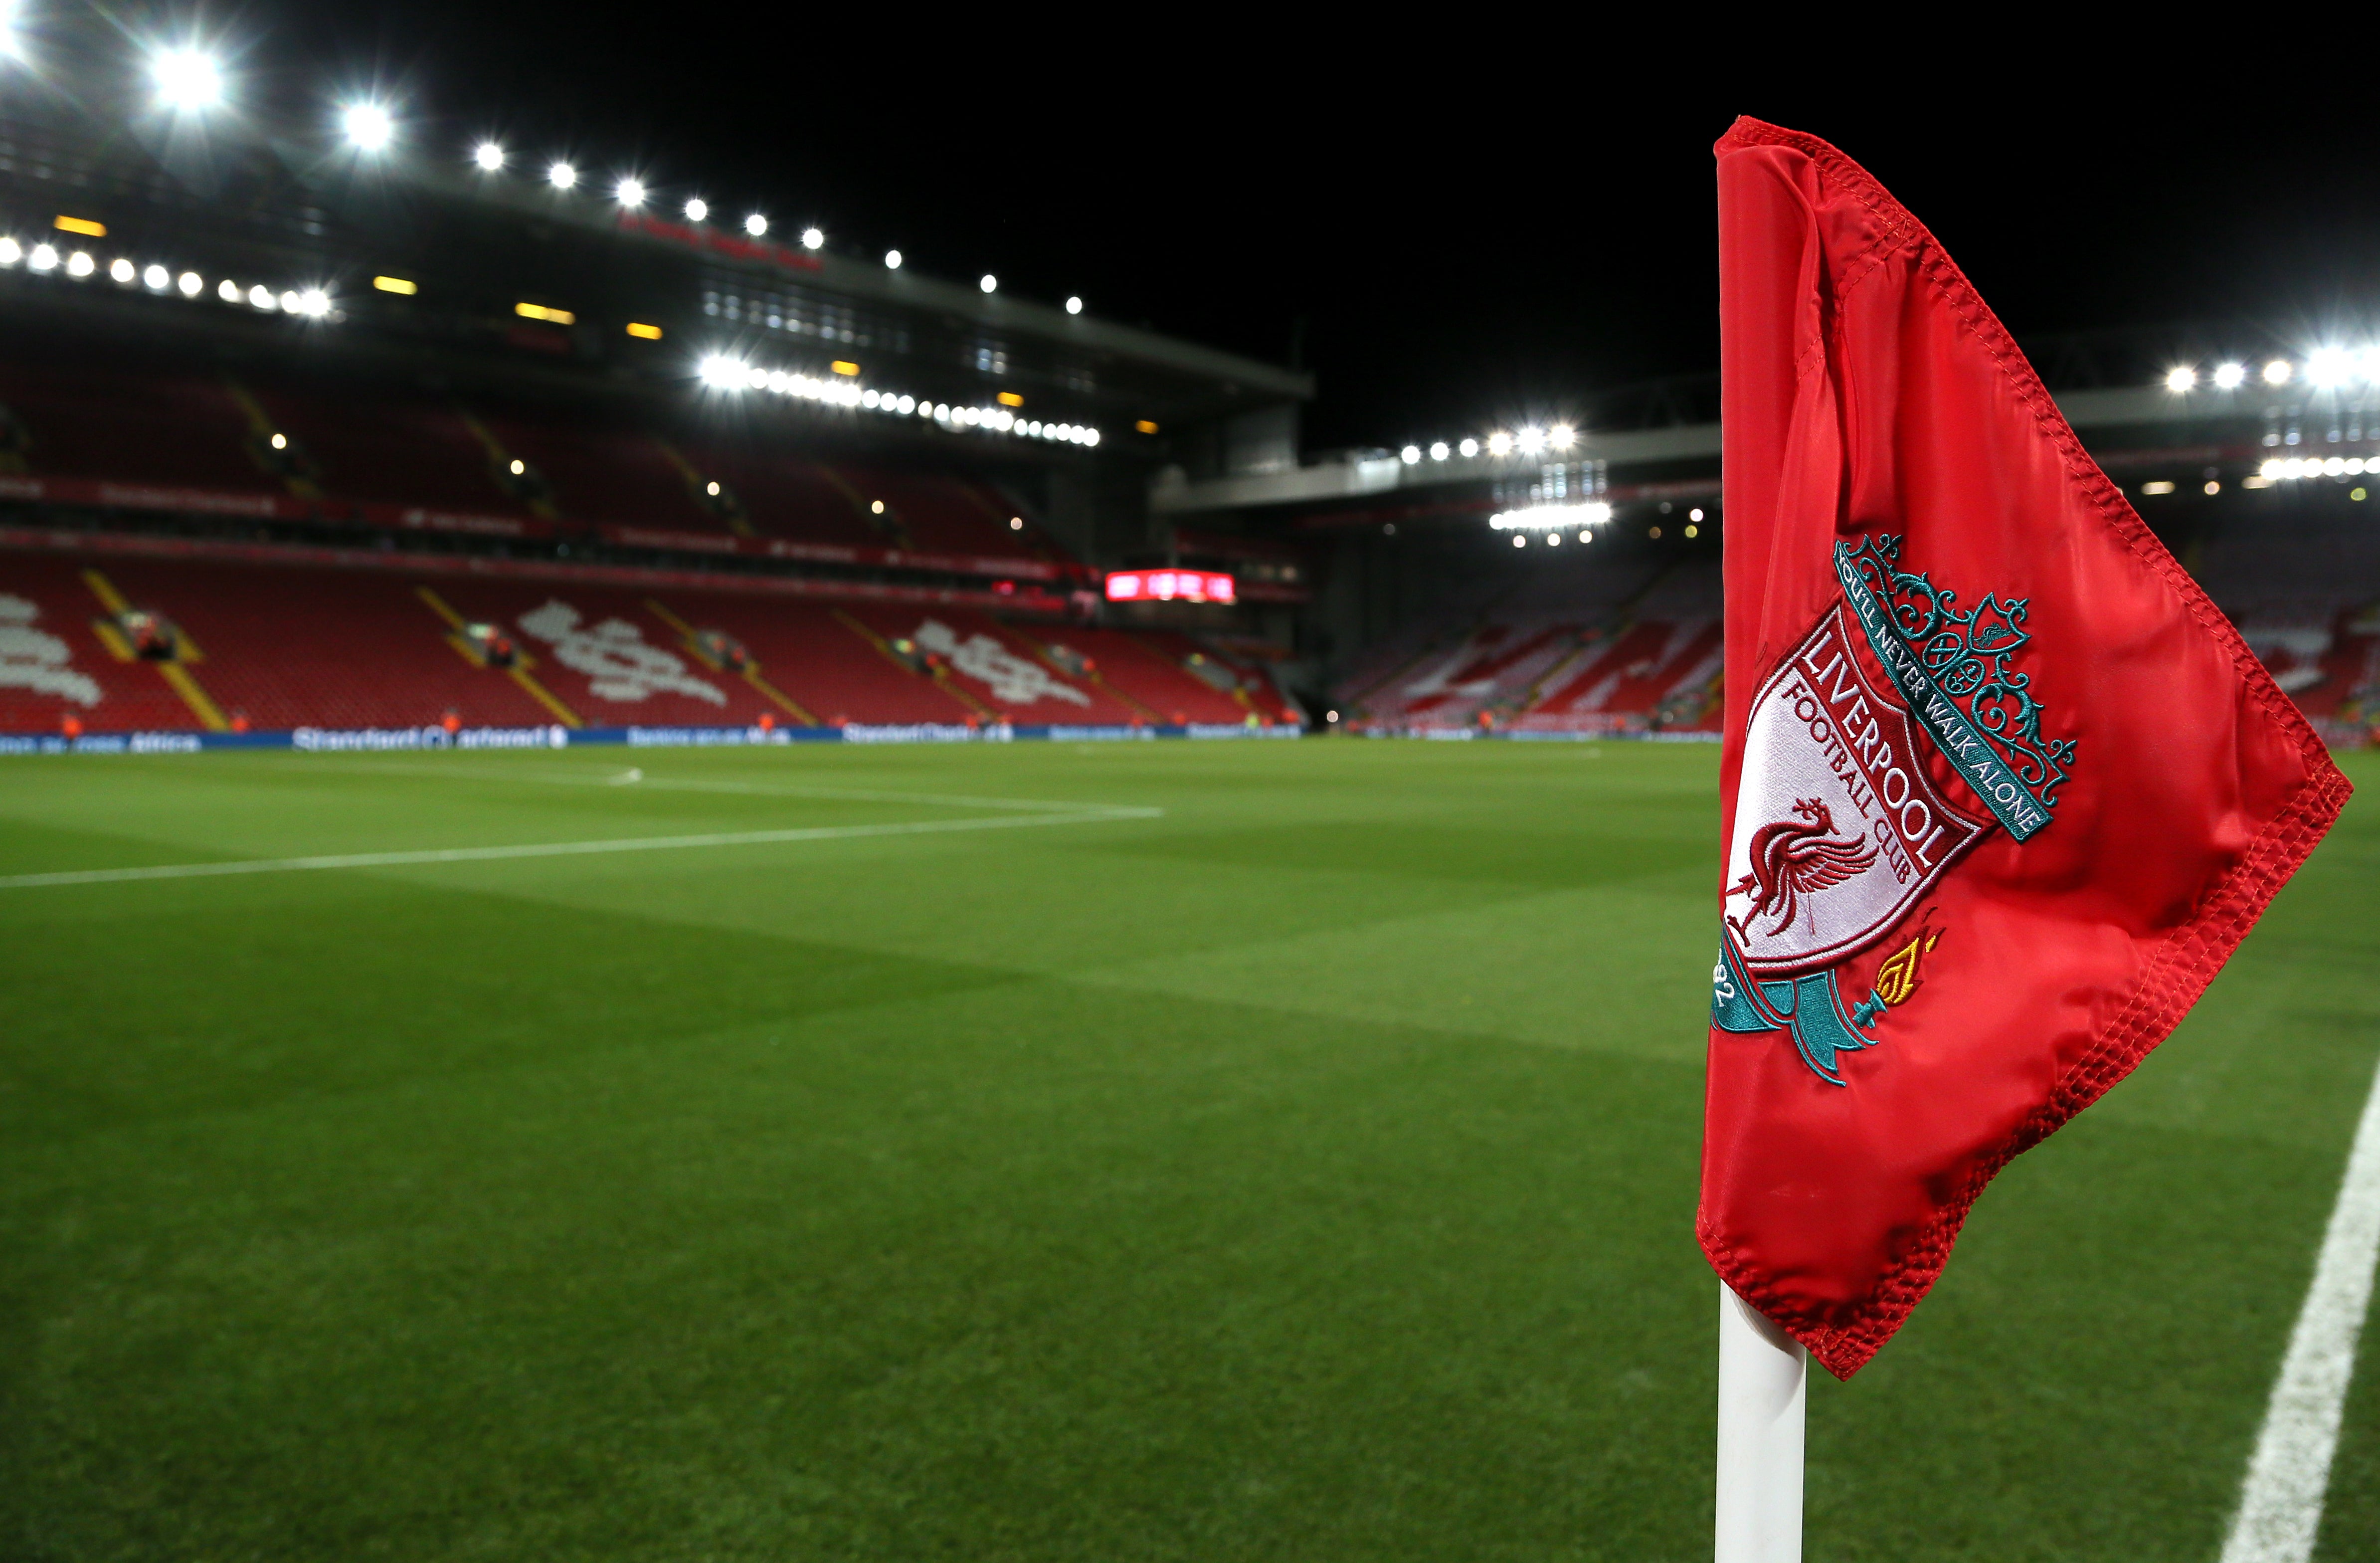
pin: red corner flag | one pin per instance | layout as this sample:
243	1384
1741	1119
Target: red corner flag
2002	788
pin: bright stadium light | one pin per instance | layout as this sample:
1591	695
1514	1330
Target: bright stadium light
1500	444
1437	451
722	373
562	176
630	191
1411	454
79	263
155	278
989	283
1531	441
755	225
121	270
2180	377
11	252
368	127
2278	373
43	257
813	238
1469	448
1561	436
487	156
1074	306
892	259
697	210
2327	368
190	283
187	80
2230	376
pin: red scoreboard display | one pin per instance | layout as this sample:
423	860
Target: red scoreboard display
1171	586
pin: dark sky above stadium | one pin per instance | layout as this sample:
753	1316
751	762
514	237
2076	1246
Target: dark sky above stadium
1449	233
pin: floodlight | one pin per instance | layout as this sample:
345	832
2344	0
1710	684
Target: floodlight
989	283
697	210
121	270
721	373
813	238
755	225
228	291
1437	451
1561	436
314	303
1695	514
2327	368
2228	377
1411	454
1532	441
79	263
190	283
156	278
261	297
1074	306
892	259
368	126
2278	373
488	156
562	176
2269	470
1500	444
2180	377
11	252
1469	448
188	79
630	191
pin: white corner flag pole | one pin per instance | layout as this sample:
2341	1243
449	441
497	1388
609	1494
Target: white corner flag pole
1764	1375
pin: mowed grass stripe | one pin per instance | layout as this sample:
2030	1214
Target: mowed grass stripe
561	849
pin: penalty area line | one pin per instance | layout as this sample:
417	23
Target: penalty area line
562	848
2281	1503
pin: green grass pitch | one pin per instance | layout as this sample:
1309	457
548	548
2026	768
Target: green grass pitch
1303	1173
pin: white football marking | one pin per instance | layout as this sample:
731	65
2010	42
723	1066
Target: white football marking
2280	1505
561	849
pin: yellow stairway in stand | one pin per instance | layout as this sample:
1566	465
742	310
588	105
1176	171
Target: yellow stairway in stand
519	672
174	670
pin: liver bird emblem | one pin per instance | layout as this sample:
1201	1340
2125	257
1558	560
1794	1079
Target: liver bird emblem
1795	858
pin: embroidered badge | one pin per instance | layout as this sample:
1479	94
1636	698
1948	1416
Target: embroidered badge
1841	828
1838	829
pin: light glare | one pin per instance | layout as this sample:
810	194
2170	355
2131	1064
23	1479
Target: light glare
630	191
755	225
2278	373
368	126
892	259
488	156
2230	376
2180	377
562	176
989	283
697	210
188	79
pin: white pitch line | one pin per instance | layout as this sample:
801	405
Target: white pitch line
637	777
2280	1505
556	848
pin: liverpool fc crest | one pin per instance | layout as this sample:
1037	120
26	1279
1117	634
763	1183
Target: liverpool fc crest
1855	750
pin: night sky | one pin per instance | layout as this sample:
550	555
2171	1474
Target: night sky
1450	233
